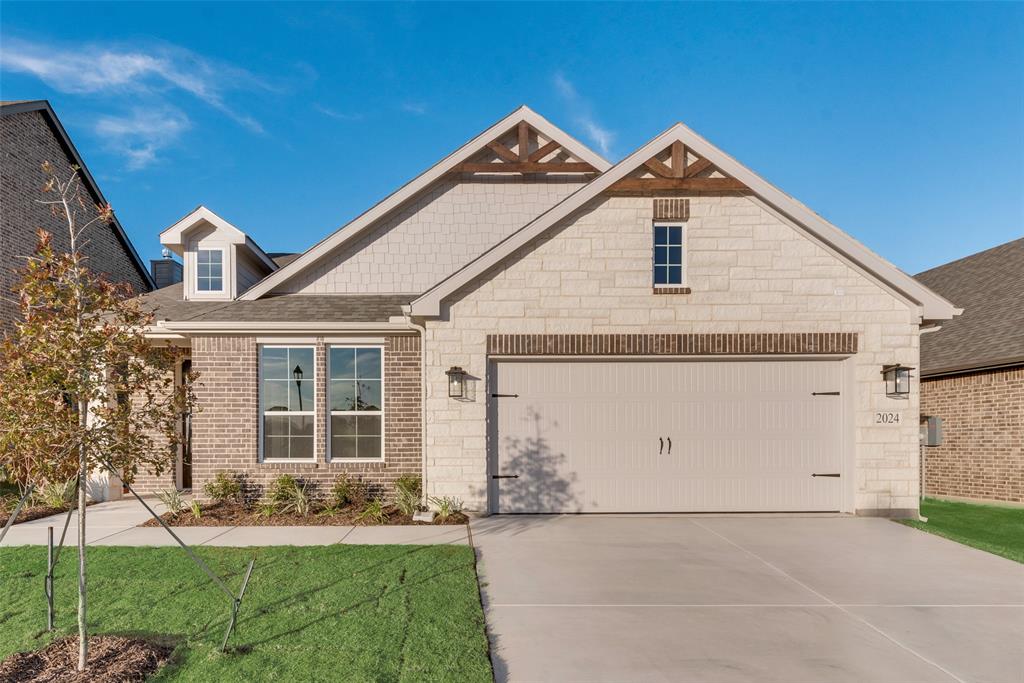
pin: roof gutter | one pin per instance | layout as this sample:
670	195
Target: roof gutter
248	327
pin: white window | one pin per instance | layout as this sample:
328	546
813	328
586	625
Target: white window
209	270
287	381
355	395
668	255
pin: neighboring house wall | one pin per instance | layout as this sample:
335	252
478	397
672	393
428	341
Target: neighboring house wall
433	235
982	454
145	481
27	142
750	272
225	432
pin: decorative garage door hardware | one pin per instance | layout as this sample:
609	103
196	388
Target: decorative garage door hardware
829	474
504	395
824	393
661	446
504	476
804	343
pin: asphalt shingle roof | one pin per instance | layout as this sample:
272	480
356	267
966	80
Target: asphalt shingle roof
989	286
167	304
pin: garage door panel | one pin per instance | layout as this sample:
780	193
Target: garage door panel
593	436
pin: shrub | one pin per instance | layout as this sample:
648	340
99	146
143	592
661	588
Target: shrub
287	494
223	488
197	511
56	494
372	513
408	494
348	491
172	500
447	506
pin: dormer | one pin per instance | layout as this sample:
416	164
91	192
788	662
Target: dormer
220	261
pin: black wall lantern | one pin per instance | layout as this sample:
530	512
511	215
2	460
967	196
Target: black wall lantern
456	382
297	374
897	380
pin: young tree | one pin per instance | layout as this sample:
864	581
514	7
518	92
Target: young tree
80	384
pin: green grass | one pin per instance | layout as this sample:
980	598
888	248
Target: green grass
345	613
998	530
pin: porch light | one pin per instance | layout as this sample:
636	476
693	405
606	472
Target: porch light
897	380
456	382
297	374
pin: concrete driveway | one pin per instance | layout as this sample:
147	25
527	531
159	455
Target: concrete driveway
794	599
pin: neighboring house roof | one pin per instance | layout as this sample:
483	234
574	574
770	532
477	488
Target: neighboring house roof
283	259
933	306
990	333
175	314
10	107
421	182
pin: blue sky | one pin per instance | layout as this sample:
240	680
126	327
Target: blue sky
902	124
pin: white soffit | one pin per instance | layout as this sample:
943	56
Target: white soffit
354	228
933	306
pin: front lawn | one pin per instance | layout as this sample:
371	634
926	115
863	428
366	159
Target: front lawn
998	530
359	613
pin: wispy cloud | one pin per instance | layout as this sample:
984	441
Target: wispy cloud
139	136
417	108
154	74
339	115
581	112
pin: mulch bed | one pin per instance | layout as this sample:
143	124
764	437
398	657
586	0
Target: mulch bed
30	512
111	658
235	514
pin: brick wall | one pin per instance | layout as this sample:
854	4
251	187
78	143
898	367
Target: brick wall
750	271
27	141
225	433
982	455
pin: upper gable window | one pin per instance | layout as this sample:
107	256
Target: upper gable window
668	255
209	270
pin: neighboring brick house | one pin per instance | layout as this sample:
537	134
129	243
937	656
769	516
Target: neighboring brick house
533	329
31	134
972	376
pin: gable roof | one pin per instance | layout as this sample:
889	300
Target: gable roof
413	187
10	107
933	307
990	333
174	235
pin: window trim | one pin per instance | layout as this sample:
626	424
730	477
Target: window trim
223	272
330	413
262	413
675	223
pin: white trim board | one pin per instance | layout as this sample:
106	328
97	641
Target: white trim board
932	306
421	182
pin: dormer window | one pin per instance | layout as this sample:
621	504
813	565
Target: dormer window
209	270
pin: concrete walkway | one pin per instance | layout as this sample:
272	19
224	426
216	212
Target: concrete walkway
731	599
117	523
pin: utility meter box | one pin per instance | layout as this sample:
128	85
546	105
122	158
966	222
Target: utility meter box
931	430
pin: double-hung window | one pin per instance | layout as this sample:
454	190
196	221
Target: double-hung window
356	400
668	255
210	270
287	380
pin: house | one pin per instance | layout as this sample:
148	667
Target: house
31	134
533	329
972	377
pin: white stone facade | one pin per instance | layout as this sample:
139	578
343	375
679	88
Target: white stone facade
435	234
749	270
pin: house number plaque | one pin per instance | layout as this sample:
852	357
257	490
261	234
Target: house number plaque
888	418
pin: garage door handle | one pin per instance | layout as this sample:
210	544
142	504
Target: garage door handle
504	395
824	393
670	445
661	445
504	476
829	474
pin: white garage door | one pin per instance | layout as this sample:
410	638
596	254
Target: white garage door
653	436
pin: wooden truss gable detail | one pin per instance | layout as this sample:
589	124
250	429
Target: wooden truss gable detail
522	159
682	170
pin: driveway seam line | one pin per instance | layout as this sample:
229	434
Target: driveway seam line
854	616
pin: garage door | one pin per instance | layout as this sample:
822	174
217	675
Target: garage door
621	436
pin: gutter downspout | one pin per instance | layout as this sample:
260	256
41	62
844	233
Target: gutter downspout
406	311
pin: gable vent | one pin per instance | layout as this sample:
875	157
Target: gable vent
674	208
